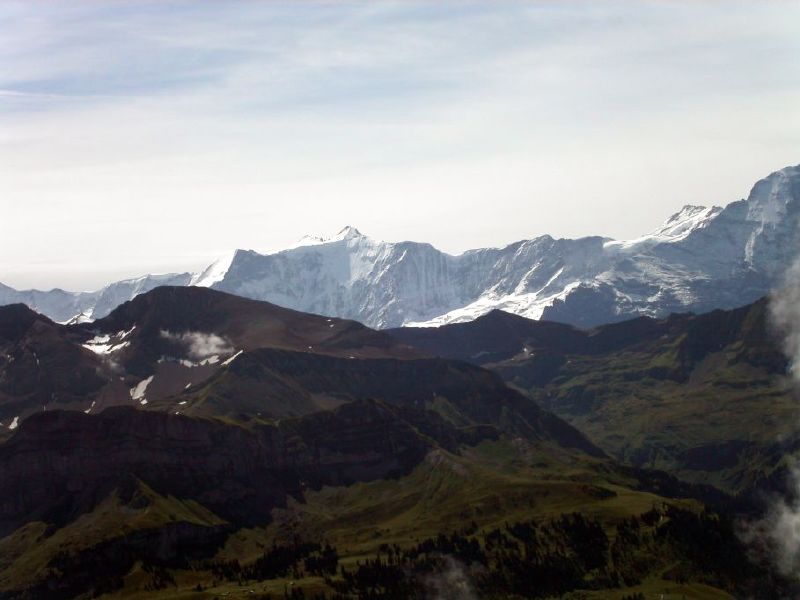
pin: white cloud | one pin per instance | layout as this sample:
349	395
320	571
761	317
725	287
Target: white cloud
200	345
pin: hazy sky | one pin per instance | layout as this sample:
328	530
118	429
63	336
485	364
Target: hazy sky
140	136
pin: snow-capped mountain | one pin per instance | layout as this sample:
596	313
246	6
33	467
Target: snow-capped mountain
78	307
699	259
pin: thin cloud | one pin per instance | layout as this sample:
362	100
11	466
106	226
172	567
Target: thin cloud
252	125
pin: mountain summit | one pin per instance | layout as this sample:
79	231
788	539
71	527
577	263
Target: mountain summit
699	259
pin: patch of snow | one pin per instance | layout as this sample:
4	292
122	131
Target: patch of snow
14	423
530	305
190	364
88	410
82	317
211	360
106	348
225	363
108	344
138	392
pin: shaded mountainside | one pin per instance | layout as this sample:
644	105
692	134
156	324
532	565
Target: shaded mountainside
60	464
702	396
271	384
244	324
699	259
154	347
203	352
40	365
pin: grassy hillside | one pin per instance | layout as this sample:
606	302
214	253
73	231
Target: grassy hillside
502	519
704	397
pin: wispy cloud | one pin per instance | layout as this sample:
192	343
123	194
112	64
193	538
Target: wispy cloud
131	132
776	536
200	345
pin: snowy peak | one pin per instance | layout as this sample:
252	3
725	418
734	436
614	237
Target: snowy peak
772	198
347	233
699	259
678	227
307	240
215	272
690	218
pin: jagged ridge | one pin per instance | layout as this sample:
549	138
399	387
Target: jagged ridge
700	259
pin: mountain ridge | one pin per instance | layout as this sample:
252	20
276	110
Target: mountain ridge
699	259
297	428
704	397
202	352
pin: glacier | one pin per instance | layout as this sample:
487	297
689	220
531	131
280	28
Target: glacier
700	259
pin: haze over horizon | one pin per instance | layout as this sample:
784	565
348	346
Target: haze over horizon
152	137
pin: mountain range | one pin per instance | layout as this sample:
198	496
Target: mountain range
700	259
179	436
705	397
193	443
195	351
157	345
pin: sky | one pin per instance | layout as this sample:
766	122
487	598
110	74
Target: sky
144	137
